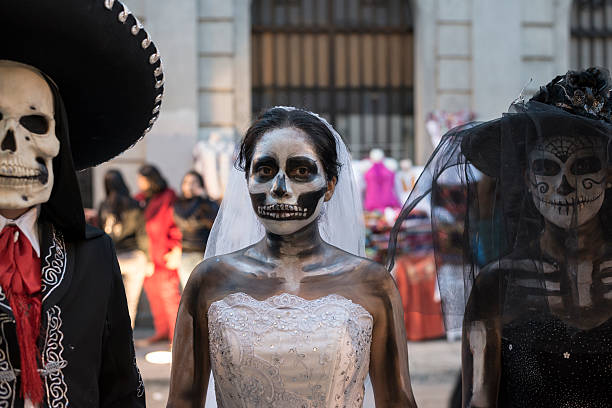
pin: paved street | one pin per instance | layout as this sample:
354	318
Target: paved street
434	366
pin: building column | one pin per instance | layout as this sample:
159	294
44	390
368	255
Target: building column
224	84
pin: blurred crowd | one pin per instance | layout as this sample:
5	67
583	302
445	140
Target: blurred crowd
159	237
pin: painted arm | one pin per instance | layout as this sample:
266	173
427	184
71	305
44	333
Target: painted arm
388	352
481	345
190	358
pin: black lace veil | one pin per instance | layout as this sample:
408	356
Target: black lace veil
521	208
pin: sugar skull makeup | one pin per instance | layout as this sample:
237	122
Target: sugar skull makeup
567	176
286	181
28	142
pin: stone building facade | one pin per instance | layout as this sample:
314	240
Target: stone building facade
465	54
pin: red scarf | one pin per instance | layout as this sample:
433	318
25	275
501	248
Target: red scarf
21	281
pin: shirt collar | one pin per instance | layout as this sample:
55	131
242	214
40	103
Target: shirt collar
27	223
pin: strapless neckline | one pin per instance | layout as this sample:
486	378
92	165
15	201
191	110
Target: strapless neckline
288	300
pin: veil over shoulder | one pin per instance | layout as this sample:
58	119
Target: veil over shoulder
494	186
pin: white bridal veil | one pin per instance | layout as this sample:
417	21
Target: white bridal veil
340	223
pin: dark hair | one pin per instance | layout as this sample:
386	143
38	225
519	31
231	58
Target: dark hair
197	175
157	181
114	184
321	137
118	197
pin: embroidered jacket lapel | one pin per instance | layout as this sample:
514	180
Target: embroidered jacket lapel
56	269
57	266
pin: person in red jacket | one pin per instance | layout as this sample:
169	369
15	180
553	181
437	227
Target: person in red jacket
162	287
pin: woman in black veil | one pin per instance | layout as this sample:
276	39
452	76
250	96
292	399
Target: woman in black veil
536	248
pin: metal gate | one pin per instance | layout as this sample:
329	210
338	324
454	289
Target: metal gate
349	60
591	33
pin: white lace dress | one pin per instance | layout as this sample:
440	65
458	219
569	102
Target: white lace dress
288	352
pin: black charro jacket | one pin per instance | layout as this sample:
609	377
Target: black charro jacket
86	346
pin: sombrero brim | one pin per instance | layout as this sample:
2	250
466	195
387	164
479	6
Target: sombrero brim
107	69
503	143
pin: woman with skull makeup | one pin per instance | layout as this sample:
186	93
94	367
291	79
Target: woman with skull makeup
282	316
537	330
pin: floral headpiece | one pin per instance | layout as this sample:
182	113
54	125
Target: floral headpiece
585	93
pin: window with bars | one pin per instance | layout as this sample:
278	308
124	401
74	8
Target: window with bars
349	60
591	31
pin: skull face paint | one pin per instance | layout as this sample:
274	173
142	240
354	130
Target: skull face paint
27	137
286	181
567	176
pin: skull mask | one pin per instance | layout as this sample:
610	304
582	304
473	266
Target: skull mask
568	179
28	142
287	181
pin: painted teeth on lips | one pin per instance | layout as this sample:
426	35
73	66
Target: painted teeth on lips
281	210
581	201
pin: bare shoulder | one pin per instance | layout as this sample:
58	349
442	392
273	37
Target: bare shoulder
372	283
209	278
374	272
492	275
209	270
485	296
488	276
354	264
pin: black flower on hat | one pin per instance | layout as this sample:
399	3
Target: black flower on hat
585	93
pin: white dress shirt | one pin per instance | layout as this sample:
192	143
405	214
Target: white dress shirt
28	225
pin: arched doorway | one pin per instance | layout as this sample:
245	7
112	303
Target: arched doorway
349	60
591	30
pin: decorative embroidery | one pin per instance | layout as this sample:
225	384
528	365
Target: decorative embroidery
7	376
52	355
54	268
287	351
141	388
4	300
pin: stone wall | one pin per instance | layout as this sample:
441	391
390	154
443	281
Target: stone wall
483	53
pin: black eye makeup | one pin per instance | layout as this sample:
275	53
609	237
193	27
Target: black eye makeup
264	168
545	167
301	168
35	123
586	165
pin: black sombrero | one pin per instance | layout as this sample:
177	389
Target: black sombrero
106	68
577	103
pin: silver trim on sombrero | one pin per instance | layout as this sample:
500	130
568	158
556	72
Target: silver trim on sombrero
122	17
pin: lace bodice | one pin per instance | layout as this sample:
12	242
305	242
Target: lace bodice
288	352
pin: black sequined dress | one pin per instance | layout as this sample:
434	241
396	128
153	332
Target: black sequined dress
548	363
